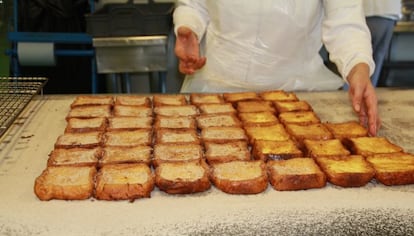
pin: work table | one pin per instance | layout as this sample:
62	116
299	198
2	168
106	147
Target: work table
374	209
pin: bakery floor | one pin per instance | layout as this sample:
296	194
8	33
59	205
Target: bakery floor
374	209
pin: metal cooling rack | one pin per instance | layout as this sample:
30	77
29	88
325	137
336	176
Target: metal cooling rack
15	94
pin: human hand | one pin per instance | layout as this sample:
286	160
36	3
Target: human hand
187	50
363	97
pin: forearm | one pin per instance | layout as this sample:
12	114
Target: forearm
346	35
193	15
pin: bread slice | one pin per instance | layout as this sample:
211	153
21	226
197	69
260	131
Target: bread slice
217	108
206	98
299	117
225	152
175	122
176	153
89	111
275	132
292	106
367	146
278	95
182	177
122	155
331	147
182	110
88	100
177	136
124	182
346	171
264	118
312	131
65	183
129	123
218	120
128	138
393	168
275	150
169	100
295	174
240	96
75	157
76	125
133	100
223	134
240	177
136	111
347	129
79	140
255	106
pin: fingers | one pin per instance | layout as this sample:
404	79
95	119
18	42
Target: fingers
190	66
364	103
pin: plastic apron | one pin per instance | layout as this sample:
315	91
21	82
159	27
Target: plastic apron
262	45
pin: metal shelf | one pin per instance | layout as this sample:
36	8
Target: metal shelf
15	94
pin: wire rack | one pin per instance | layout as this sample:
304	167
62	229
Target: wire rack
15	94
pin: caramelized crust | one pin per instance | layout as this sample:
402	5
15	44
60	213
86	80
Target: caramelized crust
240	177
133	100
275	150
255	106
346	171
179	110
122	155
278	95
332	147
74	157
218	120
292	106
176	153
240	96
86	100
217	108
295	174
275	132
182	177
169	100
371	145
89	111
225	152
79	140
223	134
299	117
393	168
206	98
174	122
349	129
265	118
65	183
177	136
136	111
124	182
77	125
129	123
128	138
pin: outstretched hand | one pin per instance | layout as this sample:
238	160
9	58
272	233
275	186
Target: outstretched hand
363	97
187	49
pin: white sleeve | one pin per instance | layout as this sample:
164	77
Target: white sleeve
192	14
346	35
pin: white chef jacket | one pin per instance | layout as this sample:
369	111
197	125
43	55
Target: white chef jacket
274	44
385	8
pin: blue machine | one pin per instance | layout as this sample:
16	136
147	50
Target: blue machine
63	38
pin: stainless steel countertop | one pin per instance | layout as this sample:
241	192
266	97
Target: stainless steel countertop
370	210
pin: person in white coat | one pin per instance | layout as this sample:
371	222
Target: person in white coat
381	17
233	46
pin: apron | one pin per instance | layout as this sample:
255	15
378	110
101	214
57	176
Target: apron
262	45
